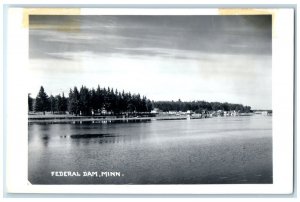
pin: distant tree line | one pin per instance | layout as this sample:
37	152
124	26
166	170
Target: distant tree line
199	106
90	101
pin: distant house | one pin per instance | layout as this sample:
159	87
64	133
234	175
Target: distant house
220	113
189	112
103	111
155	111
234	113
212	114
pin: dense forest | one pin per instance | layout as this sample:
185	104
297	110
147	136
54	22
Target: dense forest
199	106
87	101
90	101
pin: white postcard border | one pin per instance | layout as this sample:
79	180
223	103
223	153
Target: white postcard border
282	103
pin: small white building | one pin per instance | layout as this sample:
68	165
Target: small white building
155	111
189	112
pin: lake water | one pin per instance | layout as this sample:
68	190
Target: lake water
235	150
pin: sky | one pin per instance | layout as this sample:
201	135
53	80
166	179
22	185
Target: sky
211	58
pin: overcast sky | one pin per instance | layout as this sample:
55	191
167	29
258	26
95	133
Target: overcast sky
212	58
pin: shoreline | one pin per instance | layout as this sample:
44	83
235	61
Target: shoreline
103	120
108	119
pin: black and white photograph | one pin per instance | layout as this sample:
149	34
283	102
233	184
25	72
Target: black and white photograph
157	101
150	99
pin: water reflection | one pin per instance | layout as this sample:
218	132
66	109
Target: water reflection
91	122
94	138
120	131
45	140
87	135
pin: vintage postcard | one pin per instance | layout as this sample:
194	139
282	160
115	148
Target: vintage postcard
179	100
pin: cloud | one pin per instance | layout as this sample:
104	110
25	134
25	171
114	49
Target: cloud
214	58
142	35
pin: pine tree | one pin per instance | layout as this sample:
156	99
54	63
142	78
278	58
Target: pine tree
105	94
149	105
71	102
42	101
74	101
93	100
58	103
99	99
122	101
64	103
53	104
85	106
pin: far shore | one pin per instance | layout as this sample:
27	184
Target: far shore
65	118
101	119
